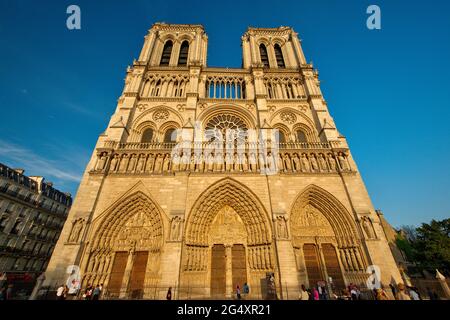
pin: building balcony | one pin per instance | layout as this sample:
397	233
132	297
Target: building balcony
211	157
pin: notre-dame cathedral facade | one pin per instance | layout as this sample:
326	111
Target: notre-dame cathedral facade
170	199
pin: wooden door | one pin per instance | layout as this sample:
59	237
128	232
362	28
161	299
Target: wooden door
332	265
312	264
117	271
239	266
137	278
218	271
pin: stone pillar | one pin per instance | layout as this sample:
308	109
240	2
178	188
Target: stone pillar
229	272
126	275
443	284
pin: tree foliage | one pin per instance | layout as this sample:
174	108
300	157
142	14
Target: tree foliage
430	249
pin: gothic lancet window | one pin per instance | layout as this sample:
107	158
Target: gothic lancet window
301	136
167	51
264	56
183	57
279	56
147	136
170	136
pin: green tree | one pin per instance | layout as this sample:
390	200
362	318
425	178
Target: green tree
431	248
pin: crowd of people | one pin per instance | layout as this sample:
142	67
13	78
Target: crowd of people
352	292
90	293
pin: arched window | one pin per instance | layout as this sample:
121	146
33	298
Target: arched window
147	135
167	51
184	50
279	56
301	136
281	136
170	135
264	56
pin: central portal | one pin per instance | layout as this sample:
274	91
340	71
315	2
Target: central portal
228	239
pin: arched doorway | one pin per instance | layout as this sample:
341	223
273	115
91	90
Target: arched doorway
325	241
227	243
125	249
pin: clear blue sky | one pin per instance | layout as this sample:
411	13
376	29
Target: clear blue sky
388	90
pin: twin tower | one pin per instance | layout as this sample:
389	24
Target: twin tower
166	201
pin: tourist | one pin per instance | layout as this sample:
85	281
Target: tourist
238	292
96	293
88	293
2	294
169	294
414	293
304	295
401	294
381	294
9	292
60	293
315	294
246	289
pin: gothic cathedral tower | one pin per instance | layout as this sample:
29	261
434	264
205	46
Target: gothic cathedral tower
209	178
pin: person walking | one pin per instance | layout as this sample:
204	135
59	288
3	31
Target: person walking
60	293
304	295
315	294
414	293
238	292
169	294
401	294
96	293
381	294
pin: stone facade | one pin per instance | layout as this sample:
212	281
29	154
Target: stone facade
166	203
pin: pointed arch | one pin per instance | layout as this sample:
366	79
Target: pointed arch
237	196
279	56
264	55
184	52
166	54
110	224
337	215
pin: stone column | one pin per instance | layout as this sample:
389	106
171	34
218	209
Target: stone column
228	271
127	275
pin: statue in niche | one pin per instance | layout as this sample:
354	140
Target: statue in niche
175	228
200	167
166	165
141	163
185	160
305	163
323	163
237	163
252	161
158	163
76	230
368	227
243	159
123	163
270	162
101	162
132	163
210	162
228	162
281	228
192	162
314	164
343	162
175	162
114	161
280	163
218	159
287	163
262	162
150	163
296	161
332	162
